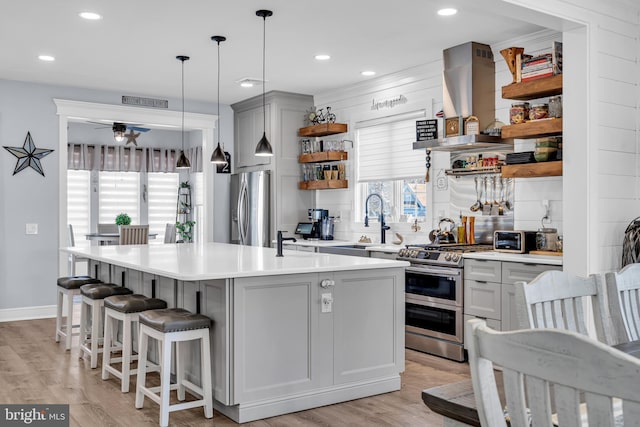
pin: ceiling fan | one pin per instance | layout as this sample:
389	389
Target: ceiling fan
120	131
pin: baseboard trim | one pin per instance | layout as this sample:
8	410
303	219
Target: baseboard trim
27	313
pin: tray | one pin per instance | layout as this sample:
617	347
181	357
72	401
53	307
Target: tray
551	253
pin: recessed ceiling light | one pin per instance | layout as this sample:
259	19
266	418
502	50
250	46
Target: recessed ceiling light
46	58
90	15
447	11
246	84
322	57
368	73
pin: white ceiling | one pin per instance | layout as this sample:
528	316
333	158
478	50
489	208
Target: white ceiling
132	49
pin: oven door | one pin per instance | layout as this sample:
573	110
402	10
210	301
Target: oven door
434	320
434	284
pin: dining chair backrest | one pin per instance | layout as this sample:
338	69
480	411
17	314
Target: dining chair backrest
107	228
170	233
71	241
623	290
556	299
134	234
545	372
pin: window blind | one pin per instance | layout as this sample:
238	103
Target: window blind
79	203
119	193
385	149
162	193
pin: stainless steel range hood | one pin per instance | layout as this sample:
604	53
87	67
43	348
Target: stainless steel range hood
468	89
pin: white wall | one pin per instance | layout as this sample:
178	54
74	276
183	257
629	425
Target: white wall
28	263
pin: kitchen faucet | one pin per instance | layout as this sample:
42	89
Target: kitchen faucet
280	240
383	226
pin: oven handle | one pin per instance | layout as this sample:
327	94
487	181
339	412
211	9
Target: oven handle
433	271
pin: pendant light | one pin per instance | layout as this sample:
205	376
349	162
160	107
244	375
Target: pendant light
264	147
218	154
183	162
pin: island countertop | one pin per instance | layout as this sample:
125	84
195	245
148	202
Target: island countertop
204	261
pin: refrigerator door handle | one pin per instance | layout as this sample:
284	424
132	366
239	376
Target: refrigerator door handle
243	213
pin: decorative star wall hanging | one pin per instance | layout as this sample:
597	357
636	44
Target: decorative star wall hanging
28	155
131	137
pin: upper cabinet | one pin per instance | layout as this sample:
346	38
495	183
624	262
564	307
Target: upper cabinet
248	131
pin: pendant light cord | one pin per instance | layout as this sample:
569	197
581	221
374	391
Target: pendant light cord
219	121
183	105
264	48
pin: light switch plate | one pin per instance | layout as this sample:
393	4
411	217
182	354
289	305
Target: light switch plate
32	229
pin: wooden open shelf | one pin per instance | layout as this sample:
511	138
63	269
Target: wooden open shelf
323	129
325	184
532	89
532	170
325	156
533	129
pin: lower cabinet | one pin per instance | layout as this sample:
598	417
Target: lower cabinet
297	333
489	291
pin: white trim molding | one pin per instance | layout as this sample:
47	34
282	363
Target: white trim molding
27	313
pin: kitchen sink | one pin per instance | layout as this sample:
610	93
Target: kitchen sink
353	250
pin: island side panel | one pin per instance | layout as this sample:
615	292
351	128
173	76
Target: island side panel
369	320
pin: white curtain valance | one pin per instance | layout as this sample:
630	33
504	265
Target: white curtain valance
117	158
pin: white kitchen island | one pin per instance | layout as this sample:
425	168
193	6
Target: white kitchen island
289	333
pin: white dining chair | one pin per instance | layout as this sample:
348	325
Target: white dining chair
556	299
545	372
134	234
623	290
73	259
170	233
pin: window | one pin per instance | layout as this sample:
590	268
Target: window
388	166
162	193
119	192
79	202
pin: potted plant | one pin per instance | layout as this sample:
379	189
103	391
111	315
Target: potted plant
123	219
185	187
185	230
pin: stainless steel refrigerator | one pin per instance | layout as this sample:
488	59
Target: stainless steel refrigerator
250	208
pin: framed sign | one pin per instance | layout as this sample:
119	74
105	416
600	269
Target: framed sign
426	129
226	167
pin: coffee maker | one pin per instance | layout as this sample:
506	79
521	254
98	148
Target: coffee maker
316	216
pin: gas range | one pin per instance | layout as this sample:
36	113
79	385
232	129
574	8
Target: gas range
449	255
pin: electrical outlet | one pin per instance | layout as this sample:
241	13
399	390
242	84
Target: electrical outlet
31	229
327	302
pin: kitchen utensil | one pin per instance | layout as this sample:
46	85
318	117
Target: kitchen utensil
478	204
495	205
501	206
507	201
486	207
471	238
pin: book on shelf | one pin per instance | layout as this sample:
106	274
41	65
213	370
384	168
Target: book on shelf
537	76
532	73
556	57
546	57
537	67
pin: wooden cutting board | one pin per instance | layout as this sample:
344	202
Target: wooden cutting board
551	253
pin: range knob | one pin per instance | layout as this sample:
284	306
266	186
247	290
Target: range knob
401	252
447	257
455	257
414	253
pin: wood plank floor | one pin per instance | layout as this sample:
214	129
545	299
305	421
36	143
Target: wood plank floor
35	369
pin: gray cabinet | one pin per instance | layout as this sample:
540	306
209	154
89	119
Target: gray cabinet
248	131
383	254
285	114
296	333
489	291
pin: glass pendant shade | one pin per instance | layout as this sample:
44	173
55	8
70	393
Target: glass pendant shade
218	156
263	149
183	162
118	136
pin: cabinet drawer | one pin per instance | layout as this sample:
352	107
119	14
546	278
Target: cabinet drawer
483	299
492	323
513	272
480	269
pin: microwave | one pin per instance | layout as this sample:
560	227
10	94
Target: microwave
514	241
